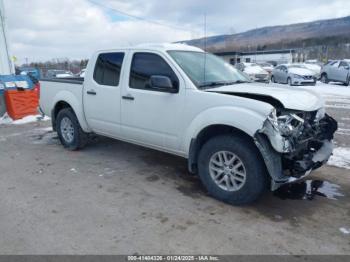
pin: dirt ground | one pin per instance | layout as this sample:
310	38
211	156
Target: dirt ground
117	198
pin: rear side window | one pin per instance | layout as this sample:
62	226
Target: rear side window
107	68
144	65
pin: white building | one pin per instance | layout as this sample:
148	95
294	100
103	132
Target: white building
273	56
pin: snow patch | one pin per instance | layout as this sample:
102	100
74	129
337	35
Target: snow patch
340	158
333	89
344	230
7	120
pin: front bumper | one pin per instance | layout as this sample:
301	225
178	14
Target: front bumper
288	167
303	82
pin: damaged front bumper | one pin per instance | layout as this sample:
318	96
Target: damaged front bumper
290	158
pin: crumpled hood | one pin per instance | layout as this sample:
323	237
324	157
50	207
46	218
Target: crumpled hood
301	71
290	98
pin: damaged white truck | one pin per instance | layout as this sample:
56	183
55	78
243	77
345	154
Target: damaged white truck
241	138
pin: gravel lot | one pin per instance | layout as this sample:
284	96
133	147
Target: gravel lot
117	198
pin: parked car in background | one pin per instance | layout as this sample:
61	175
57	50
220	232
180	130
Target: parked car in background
82	73
293	74
337	70
266	66
254	71
314	67
32	71
52	73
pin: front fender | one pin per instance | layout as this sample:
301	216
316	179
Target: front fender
76	105
243	119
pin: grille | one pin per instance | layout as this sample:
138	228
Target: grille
308	77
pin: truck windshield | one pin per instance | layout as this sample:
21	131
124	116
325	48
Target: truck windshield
207	70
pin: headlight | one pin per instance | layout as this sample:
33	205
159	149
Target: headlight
286	124
297	76
320	114
2	87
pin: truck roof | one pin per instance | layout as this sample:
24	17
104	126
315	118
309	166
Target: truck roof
157	47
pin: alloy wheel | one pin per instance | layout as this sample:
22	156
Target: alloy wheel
227	171
67	129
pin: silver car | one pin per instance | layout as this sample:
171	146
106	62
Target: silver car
337	71
254	71
293	74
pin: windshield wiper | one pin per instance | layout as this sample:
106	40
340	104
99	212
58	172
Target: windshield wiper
221	83
213	83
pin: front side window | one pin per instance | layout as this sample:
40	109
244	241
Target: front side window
107	68
145	65
343	64
336	64
207	70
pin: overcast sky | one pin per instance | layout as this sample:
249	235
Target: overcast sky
45	29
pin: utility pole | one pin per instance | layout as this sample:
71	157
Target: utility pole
6	66
205	46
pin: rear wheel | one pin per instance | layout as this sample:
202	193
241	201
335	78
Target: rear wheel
232	170
324	78
69	130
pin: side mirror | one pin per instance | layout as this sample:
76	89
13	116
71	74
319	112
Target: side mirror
162	84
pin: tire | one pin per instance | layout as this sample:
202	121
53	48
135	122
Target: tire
324	78
289	81
273	79
69	130
256	179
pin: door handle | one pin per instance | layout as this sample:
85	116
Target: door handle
128	97
91	92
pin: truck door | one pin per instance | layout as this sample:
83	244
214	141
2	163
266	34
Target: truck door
101	94
149	115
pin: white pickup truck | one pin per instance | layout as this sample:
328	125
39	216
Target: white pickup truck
239	137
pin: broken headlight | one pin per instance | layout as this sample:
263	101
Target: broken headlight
320	114
286	124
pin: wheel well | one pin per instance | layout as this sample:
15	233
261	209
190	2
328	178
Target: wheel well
58	107
206	134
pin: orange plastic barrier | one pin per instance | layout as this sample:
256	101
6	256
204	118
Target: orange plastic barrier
21	103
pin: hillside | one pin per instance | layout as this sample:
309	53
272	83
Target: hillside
318	33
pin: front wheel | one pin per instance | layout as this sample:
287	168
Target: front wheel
232	170
69	131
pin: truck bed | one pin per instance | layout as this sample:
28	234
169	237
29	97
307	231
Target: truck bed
69	88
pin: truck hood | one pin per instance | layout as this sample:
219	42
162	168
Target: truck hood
295	99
